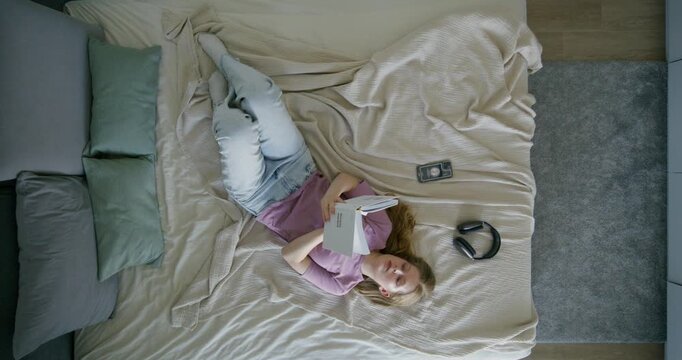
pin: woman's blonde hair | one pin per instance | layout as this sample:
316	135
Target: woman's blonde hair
399	244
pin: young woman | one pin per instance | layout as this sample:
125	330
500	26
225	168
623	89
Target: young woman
267	169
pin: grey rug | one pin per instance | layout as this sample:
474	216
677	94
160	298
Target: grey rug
599	159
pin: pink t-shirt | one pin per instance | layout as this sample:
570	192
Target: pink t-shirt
300	214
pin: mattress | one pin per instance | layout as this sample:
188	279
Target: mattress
483	310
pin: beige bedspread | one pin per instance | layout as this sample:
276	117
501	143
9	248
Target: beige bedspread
454	89
448	90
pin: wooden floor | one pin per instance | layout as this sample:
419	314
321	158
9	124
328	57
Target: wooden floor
599	29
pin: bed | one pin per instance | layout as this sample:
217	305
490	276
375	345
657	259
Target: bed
222	289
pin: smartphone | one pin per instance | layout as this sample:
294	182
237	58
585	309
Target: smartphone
434	171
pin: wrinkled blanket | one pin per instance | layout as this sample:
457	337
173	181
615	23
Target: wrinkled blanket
454	89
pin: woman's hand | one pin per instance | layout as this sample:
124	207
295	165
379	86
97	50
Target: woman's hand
342	182
328	204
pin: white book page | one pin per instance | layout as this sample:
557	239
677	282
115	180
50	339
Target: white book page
360	241
339	231
372	203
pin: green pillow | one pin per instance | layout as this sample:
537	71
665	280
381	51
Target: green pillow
124	88
127	221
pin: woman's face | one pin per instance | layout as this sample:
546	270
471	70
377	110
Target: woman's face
395	275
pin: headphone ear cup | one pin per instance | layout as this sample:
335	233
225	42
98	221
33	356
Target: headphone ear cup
470	227
463	246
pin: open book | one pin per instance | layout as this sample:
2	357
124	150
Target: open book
344	232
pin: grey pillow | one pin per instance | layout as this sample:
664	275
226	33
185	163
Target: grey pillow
44	89
58	287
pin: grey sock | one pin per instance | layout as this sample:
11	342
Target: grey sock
212	46
217	87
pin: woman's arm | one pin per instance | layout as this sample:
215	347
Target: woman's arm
296	255
296	252
342	183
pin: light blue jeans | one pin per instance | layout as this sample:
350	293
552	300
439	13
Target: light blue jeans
263	156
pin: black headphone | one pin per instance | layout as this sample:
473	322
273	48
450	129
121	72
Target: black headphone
466	248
